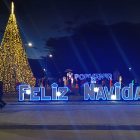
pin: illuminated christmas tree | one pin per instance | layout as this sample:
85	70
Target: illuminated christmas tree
14	66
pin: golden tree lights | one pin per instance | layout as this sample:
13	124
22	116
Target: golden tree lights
14	66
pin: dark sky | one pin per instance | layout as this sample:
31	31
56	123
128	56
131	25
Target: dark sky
86	35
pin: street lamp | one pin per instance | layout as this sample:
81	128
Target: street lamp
50	55
30	44
130	68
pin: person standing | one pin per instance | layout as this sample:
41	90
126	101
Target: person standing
2	103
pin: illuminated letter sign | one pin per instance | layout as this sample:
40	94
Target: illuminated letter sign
39	93
91	92
115	93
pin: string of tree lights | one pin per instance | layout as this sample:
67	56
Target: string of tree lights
14	66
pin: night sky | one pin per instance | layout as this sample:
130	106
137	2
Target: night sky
84	35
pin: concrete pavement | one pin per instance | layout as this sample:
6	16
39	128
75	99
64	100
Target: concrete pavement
70	122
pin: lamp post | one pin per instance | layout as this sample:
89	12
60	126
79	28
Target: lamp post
49	55
28	45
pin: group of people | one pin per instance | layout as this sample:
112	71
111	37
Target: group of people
43	82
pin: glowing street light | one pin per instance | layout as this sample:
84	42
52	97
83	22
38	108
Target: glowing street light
50	55
130	69
30	44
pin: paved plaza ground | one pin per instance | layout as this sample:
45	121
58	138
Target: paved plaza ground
74	120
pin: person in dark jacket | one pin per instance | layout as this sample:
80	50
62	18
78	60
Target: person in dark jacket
2	103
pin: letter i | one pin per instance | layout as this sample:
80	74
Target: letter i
54	91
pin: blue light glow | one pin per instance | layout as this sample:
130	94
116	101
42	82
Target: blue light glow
34	92
22	91
101	93
127	92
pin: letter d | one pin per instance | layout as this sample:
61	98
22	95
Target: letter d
127	92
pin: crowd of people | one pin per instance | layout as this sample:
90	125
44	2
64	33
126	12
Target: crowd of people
71	82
